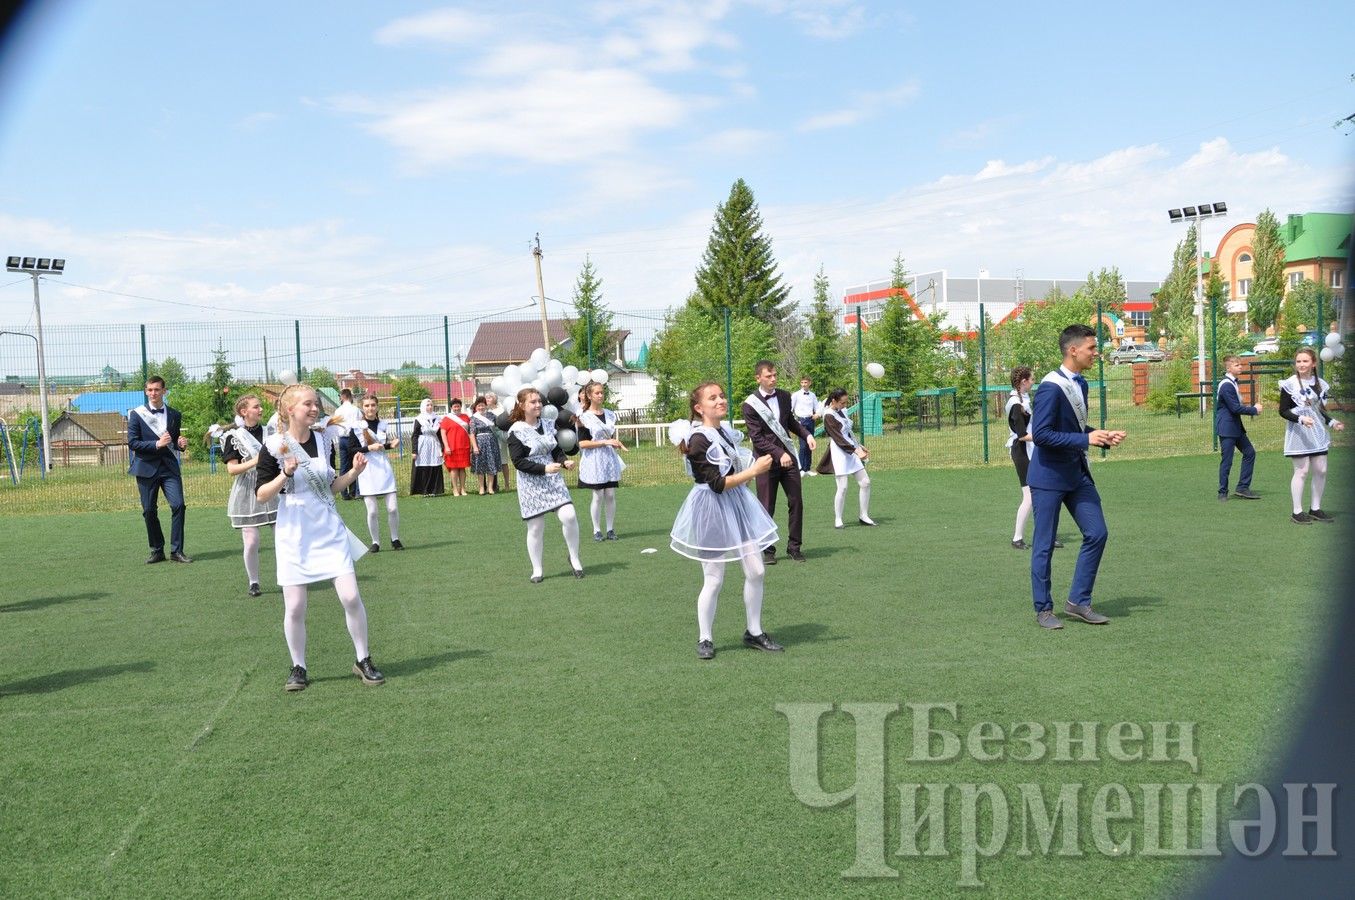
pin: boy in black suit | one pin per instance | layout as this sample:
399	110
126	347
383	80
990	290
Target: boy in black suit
154	444
771	426
1228	412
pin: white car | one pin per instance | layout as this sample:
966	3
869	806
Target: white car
1267	345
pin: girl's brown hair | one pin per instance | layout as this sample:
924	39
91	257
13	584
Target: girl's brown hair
243	402
517	415
1312	354
692	399
1020	374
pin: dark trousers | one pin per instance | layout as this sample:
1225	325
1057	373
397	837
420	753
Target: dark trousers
346	452
172	486
789	480
1227	445
1085	505
806	460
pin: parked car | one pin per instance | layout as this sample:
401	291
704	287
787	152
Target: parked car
1267	345
1148	352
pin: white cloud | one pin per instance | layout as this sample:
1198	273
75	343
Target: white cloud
823	19
864	106
440	26
735	142
996	168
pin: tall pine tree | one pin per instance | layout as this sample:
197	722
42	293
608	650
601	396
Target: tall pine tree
820	358
738	271
1174	303
591	317
1267	286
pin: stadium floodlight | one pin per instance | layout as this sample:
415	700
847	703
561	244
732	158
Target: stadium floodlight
1196	216
39	266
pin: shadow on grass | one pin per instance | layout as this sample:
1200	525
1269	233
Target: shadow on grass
1119	607
217	554
45	684
802	633
44	602
402	668
602	568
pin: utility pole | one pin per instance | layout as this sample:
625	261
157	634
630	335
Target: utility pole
541	293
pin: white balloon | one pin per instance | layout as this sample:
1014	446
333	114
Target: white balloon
287	376
875	370
528	371
1327	354
511	372
568	375
1339	350
499	386
583	377
539	358
551	378
555	365
1333	338
598	375
549	413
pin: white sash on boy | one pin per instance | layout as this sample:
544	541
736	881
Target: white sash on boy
1073	392
316	485
158	424
759	406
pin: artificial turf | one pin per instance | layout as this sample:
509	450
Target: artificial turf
563	739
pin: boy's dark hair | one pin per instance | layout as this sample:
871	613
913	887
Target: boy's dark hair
762	365
1074	334
155	379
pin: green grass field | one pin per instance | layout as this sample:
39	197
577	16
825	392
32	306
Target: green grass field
562	739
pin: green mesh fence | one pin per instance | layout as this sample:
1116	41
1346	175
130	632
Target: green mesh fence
944	418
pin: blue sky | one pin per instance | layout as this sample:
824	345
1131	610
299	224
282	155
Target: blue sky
306	158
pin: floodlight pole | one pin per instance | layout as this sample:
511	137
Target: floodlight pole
1199	304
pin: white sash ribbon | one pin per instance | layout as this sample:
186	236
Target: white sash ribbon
1073	392
245	442
158	424
759	405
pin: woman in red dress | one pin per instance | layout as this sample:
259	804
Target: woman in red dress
456	438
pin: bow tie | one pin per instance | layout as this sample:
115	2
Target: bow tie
156	412
769	396
1082	382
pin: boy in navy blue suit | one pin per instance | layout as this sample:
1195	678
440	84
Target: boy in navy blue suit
1228	412
154	444
1059	475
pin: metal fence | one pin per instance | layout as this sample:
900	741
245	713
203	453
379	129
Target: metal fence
955	419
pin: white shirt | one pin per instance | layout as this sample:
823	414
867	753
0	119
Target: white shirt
771	402
350	414
803	404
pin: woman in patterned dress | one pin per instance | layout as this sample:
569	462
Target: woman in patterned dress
485	460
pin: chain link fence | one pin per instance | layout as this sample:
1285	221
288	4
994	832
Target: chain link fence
948	413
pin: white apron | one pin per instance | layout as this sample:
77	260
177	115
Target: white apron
311	541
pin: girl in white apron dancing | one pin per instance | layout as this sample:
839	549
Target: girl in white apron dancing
241	447
600	463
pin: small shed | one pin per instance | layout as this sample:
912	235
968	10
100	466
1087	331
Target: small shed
89	439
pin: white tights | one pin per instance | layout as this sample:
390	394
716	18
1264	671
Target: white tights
1302	464
250	533
294	617
374	518
536	538
604	497
862	495
1022	515
714	572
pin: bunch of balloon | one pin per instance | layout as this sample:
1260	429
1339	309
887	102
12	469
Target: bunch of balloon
556	383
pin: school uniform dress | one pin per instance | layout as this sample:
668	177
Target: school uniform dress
531	450
1228	412
715	523
379	477
840	458
243	507
456	438
310	539
1018	425
488	460
426	476
1305	398
599	467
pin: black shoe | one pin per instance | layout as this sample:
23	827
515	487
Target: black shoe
611	534
155	557
769	557
796	555
1246	494
297	681
1300	518
180	558
578	573
254	589
375	548
597	536
705	650
396	545
1058	545
536	579
1318	515
364	669
1223	498
762	642
1020	544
